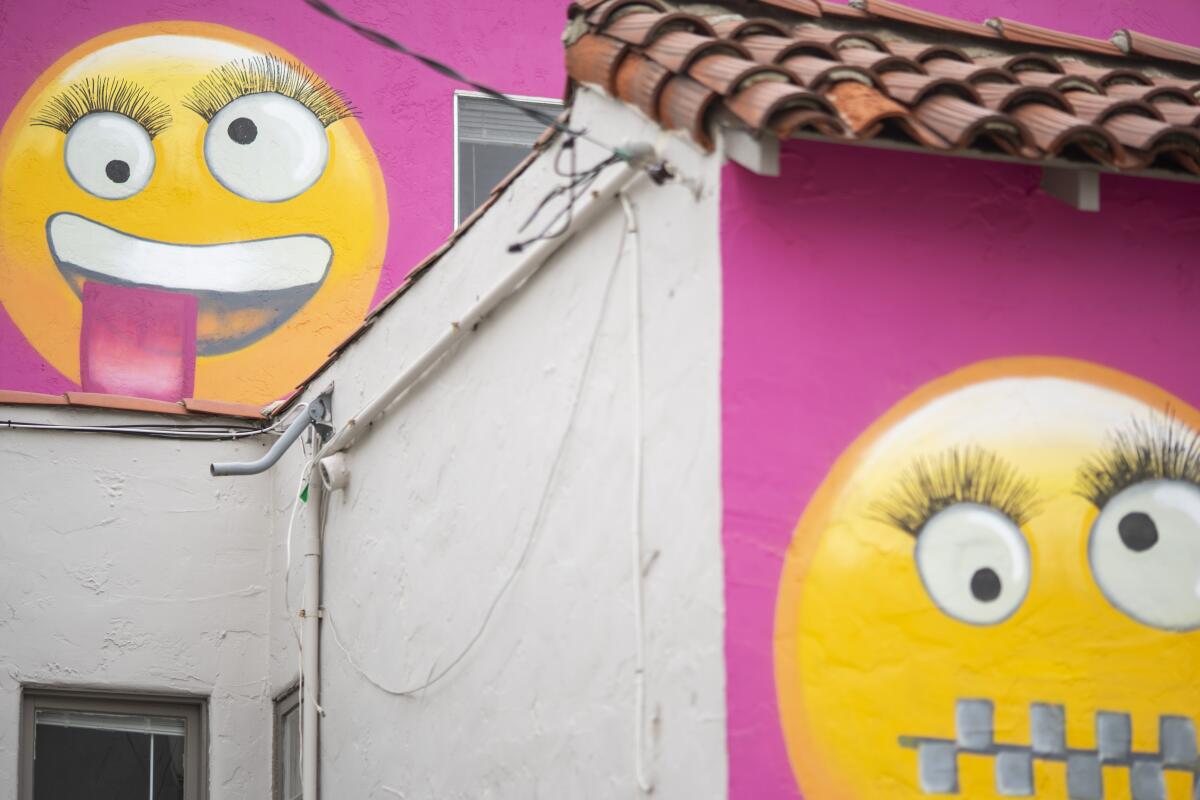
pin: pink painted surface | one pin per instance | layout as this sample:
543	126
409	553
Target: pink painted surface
406	109
138	342
859	275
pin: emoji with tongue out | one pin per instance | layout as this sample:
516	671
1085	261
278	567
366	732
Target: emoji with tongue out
187	211
996	593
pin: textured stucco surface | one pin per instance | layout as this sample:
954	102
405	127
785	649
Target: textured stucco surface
445	488
127	567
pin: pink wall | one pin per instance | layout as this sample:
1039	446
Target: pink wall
859	275
406	110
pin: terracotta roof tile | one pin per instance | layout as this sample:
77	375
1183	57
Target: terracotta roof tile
1173	93
123	403
725	74
644	28
1099	107
1179	114
926	19
640	82
606	11
839	39
676	50
881	68
816	73
829	9
774	49
221	408
911	89
809	8
1055	130
1007	96
920	51
878	62
594	59
212	408
1145	45
1021	62
1015	31
758	103
964	124
9	396
966	71
1104	76
734	28
686	104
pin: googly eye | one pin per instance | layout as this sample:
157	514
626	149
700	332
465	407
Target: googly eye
1144	550
109	155
266	147
974	563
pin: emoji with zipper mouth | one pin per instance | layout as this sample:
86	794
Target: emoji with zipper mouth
187	211
996	593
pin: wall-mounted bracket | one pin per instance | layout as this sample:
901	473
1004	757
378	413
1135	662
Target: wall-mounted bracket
318	413
1078	188
759	154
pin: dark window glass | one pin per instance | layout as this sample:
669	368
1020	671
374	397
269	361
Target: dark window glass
492	140
103	754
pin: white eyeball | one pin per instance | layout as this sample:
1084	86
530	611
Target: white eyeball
1145	553
266	147
109	155
974	563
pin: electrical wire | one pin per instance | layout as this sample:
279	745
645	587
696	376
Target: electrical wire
183	432
210	433
639	667
535	526
383	40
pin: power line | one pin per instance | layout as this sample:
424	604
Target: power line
383	40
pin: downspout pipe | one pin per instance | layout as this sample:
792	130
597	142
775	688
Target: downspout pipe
311	642
314	413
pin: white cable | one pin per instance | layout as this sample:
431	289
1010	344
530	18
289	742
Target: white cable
181	432
639	670
543	504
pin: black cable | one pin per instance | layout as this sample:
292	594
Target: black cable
150	431
383	40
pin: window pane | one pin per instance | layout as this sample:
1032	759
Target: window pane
492	140
291	755
107	757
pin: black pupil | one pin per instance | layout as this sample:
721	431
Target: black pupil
243	130
1138	531
985	585
117	171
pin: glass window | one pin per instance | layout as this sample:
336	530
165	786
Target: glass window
110	748
490	139
287	747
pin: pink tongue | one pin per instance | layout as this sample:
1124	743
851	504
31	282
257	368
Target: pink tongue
139	342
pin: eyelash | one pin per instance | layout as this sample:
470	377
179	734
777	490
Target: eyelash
268	73
958	475
1158	448
92	95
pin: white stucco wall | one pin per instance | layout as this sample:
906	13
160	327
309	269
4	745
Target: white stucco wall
446	487
125	566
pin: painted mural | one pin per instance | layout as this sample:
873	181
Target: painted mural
961	521
1008	561
188	211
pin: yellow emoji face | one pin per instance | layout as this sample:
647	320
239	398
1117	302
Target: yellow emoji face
187	211
996	593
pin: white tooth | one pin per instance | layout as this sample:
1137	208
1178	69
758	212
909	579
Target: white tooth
253	266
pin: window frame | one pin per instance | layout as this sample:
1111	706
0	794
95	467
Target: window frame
520	98
285	701
193	709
